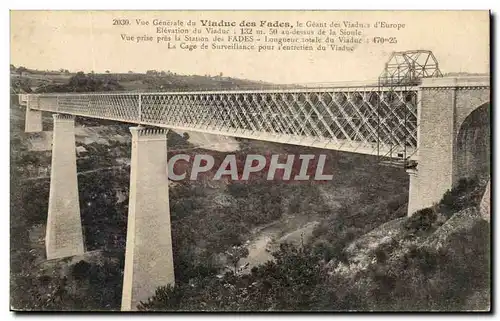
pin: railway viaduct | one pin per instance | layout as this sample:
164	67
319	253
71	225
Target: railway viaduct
441	127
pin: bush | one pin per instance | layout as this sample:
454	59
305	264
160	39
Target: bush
383	251
80	270
165	297
421	221
467	193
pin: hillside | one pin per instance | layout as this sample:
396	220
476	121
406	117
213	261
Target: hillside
28	80
436	260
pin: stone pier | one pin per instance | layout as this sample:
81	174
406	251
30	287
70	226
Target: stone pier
33	121
413	193
64	235
148	255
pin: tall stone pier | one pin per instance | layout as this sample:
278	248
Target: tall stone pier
148	255
64	235
33	121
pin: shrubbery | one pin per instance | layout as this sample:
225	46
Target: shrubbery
467	193
82	82
421	221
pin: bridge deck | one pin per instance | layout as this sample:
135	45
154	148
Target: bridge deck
363	119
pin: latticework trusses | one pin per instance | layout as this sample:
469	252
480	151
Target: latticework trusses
409	67
364	120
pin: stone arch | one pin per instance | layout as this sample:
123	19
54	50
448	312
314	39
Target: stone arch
473	151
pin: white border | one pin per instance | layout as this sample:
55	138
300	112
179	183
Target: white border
178	5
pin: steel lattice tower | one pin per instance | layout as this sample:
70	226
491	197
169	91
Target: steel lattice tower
403	70
409	67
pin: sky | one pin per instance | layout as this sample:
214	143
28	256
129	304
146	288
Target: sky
87	40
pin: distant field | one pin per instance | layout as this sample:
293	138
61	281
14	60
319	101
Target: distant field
134	85
38	81
52	78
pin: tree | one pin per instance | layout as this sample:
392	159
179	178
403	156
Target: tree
235	254
21	69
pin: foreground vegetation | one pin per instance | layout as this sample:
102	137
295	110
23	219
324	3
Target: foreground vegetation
403	275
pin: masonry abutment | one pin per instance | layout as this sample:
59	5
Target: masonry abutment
148	254
443	106
64	235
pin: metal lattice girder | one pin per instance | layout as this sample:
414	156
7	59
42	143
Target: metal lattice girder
367	120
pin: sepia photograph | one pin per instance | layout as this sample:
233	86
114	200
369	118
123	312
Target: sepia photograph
250	161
